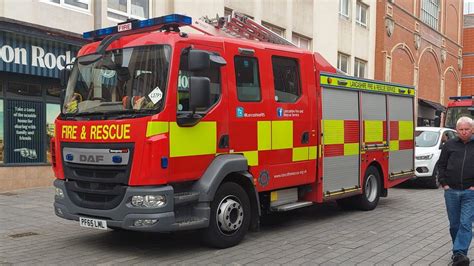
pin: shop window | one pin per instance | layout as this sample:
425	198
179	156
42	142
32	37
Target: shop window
343	62
23	89
53	90
76	4
2	142
361	14
247	79
52	111
286	79
213	73
125	9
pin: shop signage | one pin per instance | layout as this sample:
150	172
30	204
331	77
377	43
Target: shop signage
25	131
34	56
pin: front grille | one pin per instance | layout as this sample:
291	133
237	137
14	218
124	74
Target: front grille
97	186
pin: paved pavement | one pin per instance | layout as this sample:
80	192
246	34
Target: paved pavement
408	227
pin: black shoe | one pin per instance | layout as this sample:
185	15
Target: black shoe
460	259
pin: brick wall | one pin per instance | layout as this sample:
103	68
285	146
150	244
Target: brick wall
406	58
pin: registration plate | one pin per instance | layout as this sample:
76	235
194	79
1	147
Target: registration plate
93	223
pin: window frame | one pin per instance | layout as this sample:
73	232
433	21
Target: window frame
65	5
298	72
348	62
426	15
357	63
276	29
258	77
348	6
127	14
359	8
299	37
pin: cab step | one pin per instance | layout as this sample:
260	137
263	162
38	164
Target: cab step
292	206
185	197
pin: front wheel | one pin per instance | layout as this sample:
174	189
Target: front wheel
369	199
433	182
230	216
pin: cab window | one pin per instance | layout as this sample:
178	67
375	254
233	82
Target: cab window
247	79
286	78
213	73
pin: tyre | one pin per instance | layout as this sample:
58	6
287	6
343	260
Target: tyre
433	182
370	196
230	216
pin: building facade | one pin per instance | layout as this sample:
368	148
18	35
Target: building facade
38	38
468	53
419	42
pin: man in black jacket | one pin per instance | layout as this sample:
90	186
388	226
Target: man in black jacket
456	176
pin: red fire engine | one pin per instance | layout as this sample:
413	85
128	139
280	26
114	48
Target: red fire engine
457	107
162	131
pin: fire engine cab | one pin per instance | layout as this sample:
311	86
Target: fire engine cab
459	106
162	130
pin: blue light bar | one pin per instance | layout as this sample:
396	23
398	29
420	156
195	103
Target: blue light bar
461	97
137	26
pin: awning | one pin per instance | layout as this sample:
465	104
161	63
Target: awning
431	104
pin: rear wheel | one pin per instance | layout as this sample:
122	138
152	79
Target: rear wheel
230	216
369	199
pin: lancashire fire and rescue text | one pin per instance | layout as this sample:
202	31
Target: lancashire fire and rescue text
161	130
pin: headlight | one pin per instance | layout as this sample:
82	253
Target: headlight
149	201
424	157
59	193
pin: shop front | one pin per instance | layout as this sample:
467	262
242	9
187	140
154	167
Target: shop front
29	102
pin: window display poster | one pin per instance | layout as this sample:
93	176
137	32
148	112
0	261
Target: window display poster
24	133
52	111
2	143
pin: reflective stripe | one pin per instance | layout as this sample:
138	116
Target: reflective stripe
300	154
282	135
155	128
351	149
197	140
264	135
252	157
333	131
405	130
373	131
394	145
312	153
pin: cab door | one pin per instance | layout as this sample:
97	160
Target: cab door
192	147
249	117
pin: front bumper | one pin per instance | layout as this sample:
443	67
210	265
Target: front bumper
124	215
424	168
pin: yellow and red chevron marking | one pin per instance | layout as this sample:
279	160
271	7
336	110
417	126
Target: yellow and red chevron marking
401	135
341	137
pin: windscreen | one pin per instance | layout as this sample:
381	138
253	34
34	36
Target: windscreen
125	81
426	138
454	113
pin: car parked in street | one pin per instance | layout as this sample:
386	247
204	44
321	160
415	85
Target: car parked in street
428	144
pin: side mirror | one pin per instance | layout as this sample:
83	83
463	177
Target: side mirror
64	76
199	93
62	96
199	97
198	60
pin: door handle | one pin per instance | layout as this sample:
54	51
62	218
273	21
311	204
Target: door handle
224	142
305	138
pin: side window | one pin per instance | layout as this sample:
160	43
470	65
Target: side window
213	73
450	134
286	78
247	79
